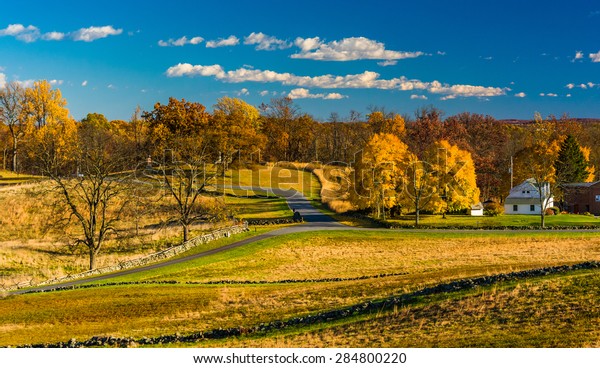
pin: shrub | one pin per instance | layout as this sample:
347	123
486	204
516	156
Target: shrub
550	212
493	209
588	214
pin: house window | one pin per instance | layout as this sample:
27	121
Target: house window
532	207
515	207
597	197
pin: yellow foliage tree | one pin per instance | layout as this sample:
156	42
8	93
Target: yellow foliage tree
455	173
378	174
391	123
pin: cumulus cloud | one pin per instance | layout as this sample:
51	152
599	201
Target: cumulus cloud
595	57
548	94
84	83
2	80
583	85
264	93
21	33
56	82
182	41
222	42
387	63
53	36
243	92
32	33
365	80
520	94
353	48
95	33
418	97
266	43
578	55
300	93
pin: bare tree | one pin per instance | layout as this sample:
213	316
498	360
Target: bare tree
186	183
11	105
93	196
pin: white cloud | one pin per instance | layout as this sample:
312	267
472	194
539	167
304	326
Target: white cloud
222	42
264	93
418	97
449	97
182	41
387	63
353	48
53	36
300	93
94	33
243	92
568	95
21	33
578	55
84	83
32	33
441	53
570	86
595	57
548	94
26	83
520	94
365	80
56	82
265	42
2	80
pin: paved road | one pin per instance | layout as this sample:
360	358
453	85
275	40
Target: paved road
314	221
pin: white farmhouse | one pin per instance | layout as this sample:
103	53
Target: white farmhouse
524	199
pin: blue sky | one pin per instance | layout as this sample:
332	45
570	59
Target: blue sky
506	58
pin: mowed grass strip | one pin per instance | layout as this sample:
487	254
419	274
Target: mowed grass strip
561	311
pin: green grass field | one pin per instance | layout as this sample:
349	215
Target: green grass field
497	221
416	260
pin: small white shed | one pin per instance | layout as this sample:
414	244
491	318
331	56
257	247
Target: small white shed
477	209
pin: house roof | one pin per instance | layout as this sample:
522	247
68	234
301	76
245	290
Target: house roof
581	185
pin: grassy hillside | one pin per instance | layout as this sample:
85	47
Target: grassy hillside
306	274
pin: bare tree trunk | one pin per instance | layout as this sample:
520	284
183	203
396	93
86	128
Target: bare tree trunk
186	231
14	163
92	259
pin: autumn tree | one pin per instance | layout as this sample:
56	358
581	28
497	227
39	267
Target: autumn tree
390	123
425	130
536	162
179	128
188	162
12	99
236	126
378	173
456	180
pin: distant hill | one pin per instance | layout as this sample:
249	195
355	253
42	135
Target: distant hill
524	122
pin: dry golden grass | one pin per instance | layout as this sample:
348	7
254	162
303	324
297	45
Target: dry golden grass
426	257
33	248
429	258
562	311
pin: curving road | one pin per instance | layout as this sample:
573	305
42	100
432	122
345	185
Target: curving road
314	221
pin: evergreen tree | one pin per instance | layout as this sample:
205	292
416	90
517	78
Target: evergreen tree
571	165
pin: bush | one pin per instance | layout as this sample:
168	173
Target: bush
550	212
588	214
493	209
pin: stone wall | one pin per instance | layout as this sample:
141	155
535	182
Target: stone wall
152	258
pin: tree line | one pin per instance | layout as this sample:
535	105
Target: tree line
402	162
